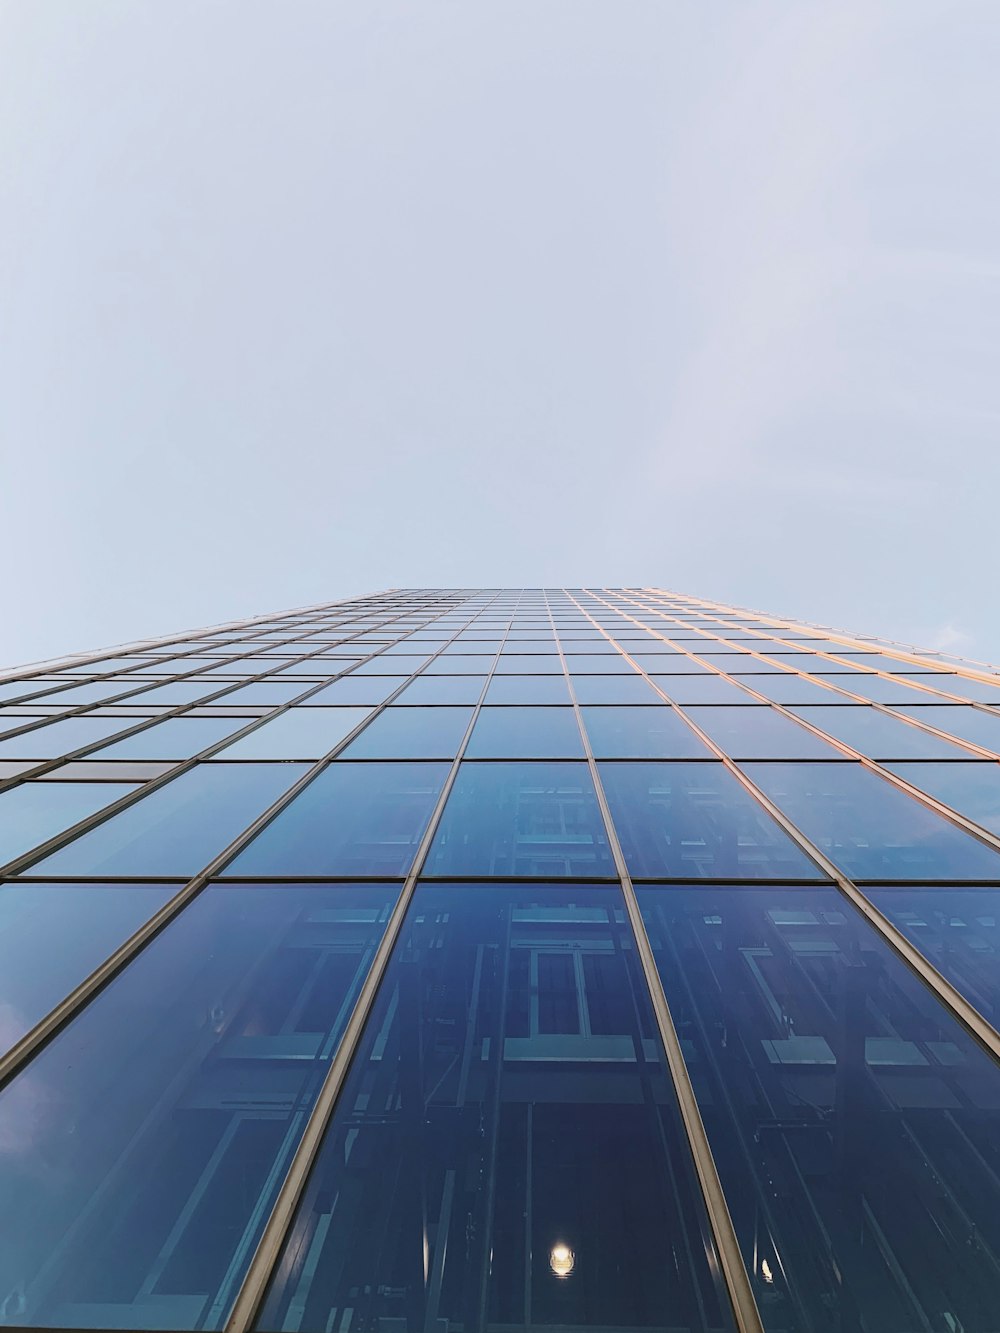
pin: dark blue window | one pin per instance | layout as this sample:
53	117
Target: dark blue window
353	819
506	1152
34	812
686	819
641	733
539	819
972	789
853	1121
143	1147
971	724
878	735
869	828
760	733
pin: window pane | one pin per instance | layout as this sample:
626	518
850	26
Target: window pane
853	1121
386	666
527	733
760	733
977	690
658	664
366	690
614	690
786	689
703	690
460	666
176	738
353	819
971	724
300	733
412	733
442	690
878	735
870	829
528	690
59	738
36	811
539	1115
265	692
880	689
178	692
581	664
180	827
958	930
521	819
73	928
695	819
533	664
159	1159
641	733
972	789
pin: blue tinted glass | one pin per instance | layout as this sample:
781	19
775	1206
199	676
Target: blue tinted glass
361	690
870	829
760	733
59	738
971	724
641	733
704	690
880	689
176	738
526	1169
91	693
392	665
958	930
783	688
972	789
854	1123
614	690
299	733
459	666
977	690
269	691
160	1158
581	664
878	735
529	664
528	690
521	819
180	827
658	664
10	721
527	733
52	936
687	819
36	811
353	819
412	733
178	692
442	690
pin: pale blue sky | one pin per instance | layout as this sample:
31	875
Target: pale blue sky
301	300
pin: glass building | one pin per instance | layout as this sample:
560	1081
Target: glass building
487	959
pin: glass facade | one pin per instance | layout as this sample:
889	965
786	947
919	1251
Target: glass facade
489	959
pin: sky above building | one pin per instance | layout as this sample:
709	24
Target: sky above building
300	302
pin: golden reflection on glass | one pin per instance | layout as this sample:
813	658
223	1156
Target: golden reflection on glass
562	1260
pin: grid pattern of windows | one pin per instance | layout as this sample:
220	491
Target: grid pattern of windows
463	959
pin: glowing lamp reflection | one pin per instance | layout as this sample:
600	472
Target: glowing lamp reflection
562	1260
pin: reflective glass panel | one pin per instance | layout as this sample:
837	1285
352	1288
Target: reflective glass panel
528	690
880	689
506	1152
93	692
659	664
269	691
760	733
386	666
178	692
855	1125
353	819
538	818
978	691
972	789
34	812
581	664
459	666
782	688
878	735
641	733
527	733
703	690
360	690
59	738
136	1174
299	733
412	733
533	664
686	819
52	936
971	724
870	829
442	690
958	930
176	738
180	827
614	690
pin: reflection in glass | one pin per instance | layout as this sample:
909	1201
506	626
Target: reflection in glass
353	819
136	1174
506	1151
972	789
442	690
59	738
73	928
695	819
614	690
180	827
870	829
760	733
367	691
299	733
176	738
526	733
879	736
854	1123
971	724
642	733
34	812
784	688
704	690
528	690
412	733
524	818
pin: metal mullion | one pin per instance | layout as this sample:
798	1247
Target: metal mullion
72	1004
886	774
969	1017
272	1240
48	766
734	1273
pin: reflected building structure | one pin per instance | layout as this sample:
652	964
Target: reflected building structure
490	959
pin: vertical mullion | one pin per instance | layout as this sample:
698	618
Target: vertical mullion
734	1273
271	1243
